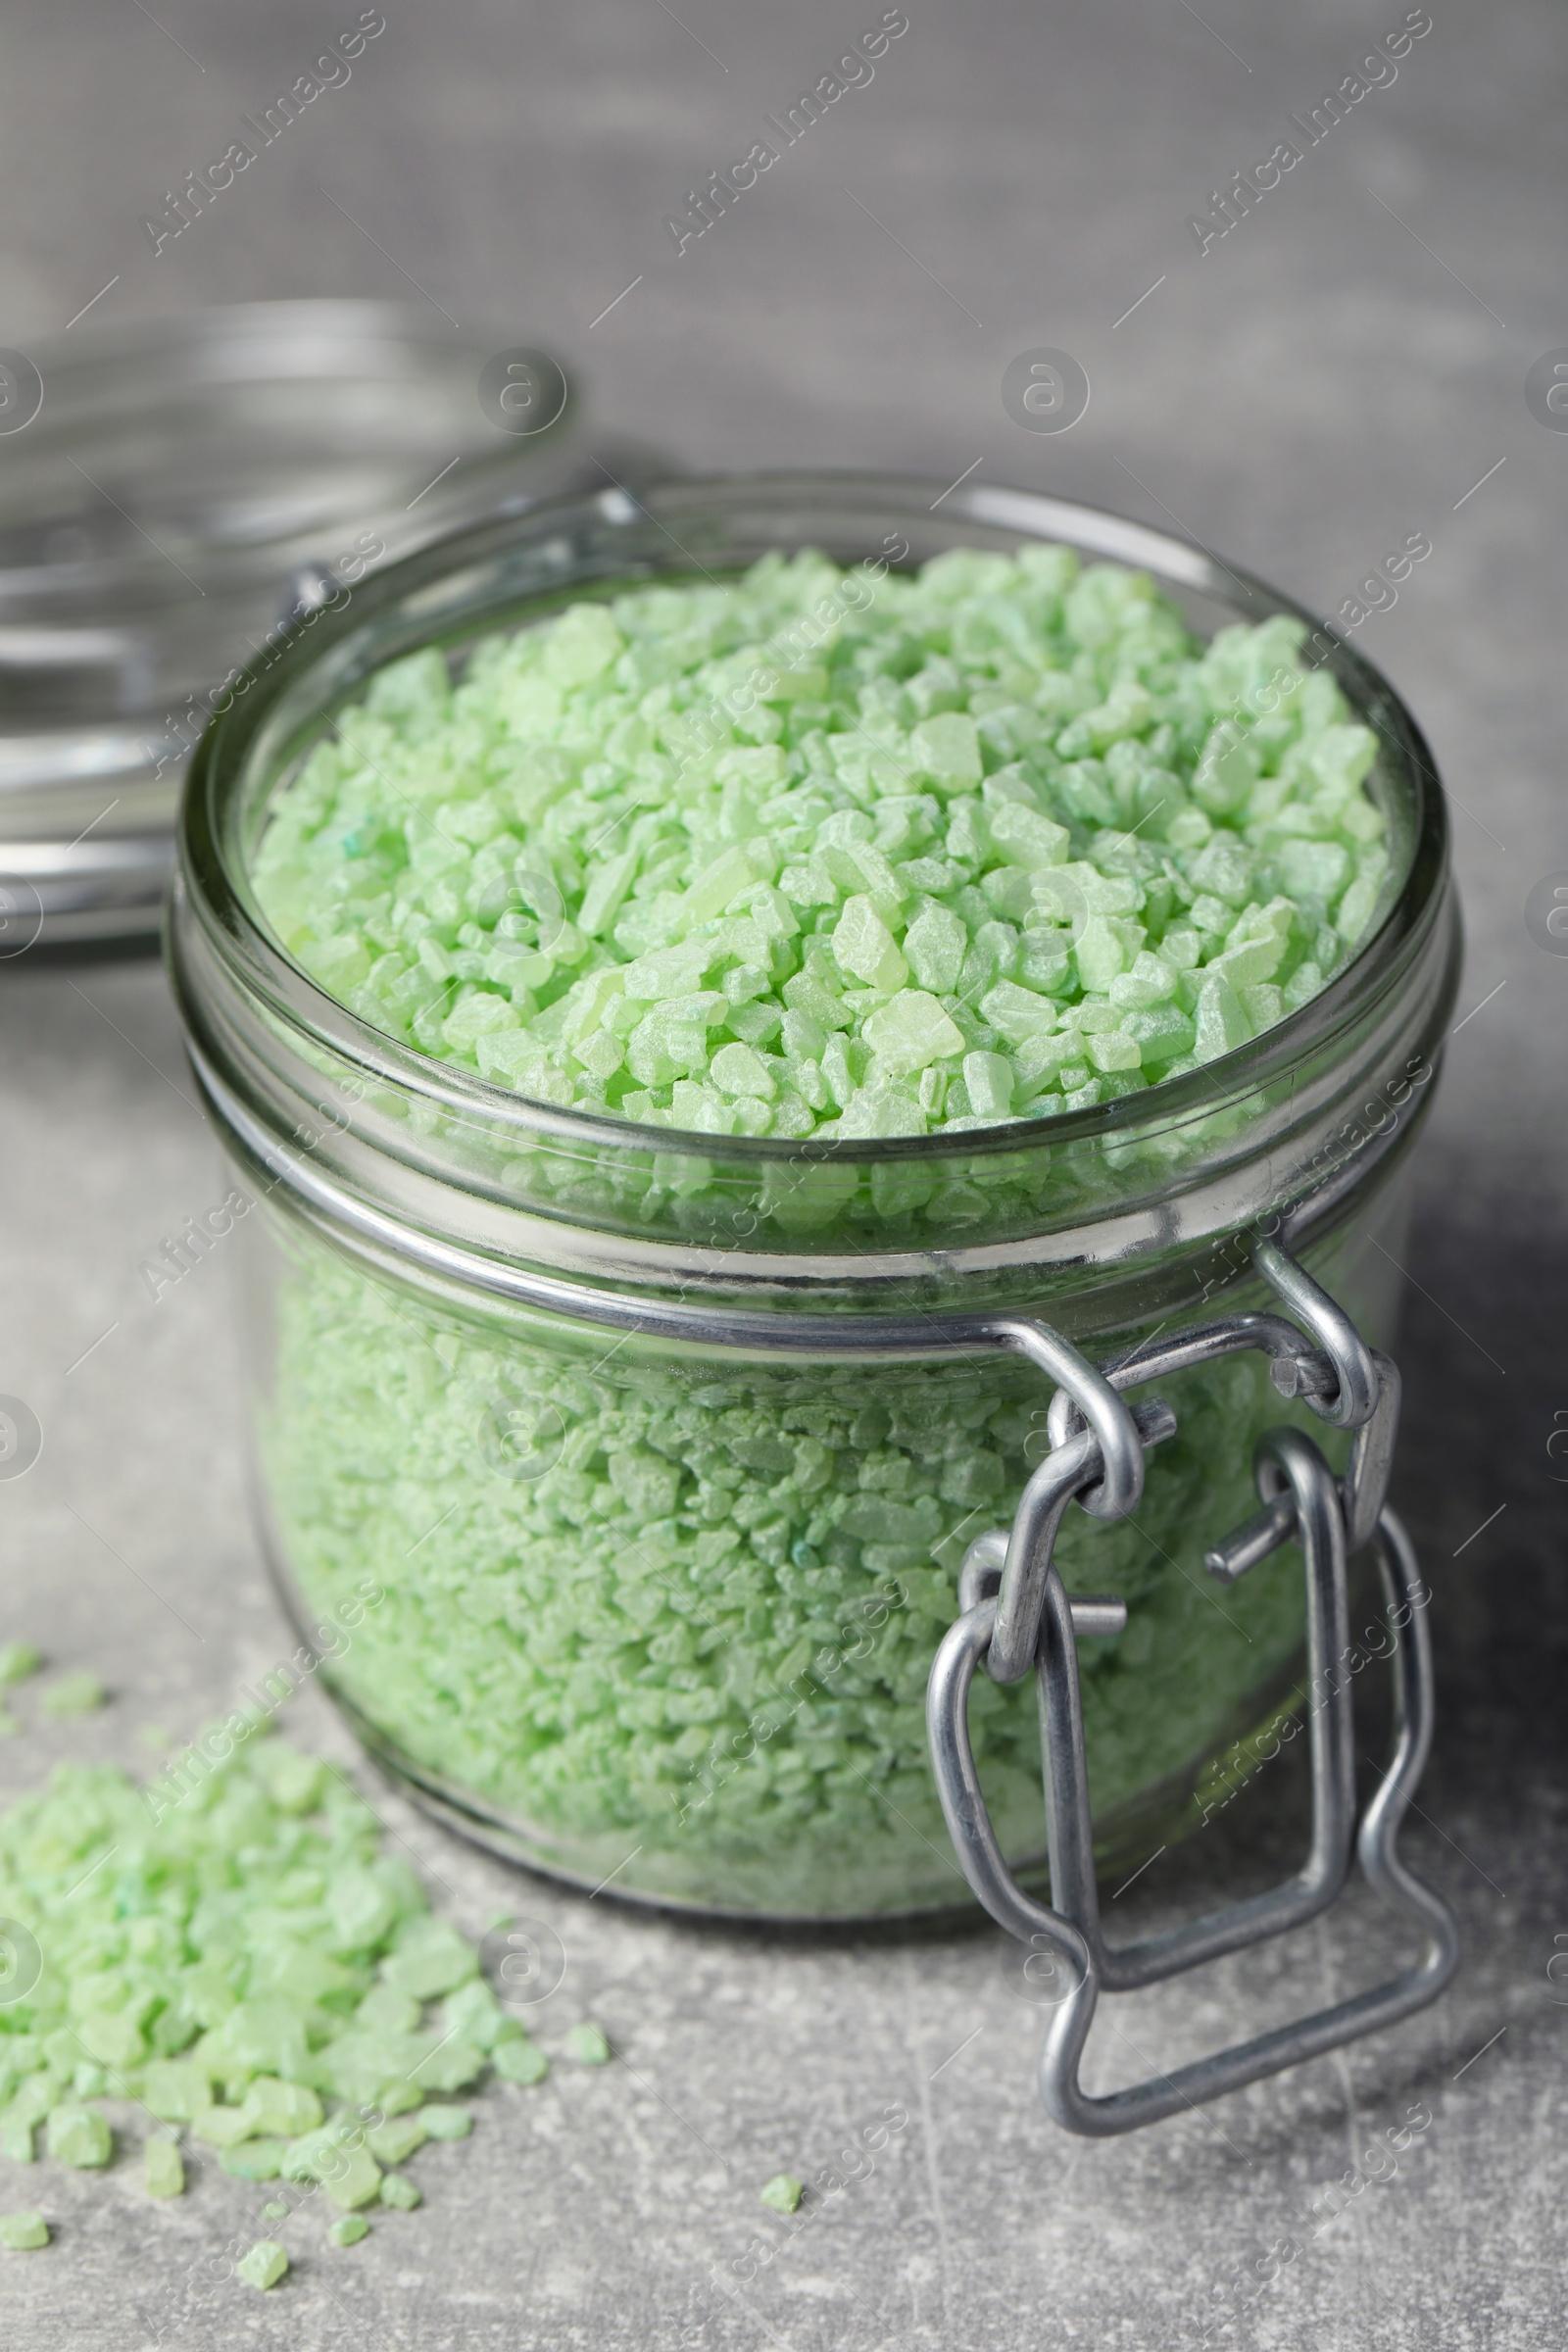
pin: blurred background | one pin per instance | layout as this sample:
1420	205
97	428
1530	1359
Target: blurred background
1363	357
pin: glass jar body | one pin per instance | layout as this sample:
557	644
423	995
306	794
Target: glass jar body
657	1611
625	1608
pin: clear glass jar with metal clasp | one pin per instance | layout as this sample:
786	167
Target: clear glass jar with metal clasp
612	1550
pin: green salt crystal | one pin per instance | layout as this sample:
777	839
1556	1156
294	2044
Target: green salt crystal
355	2182
264	2266
20	2233
73	1695
446	2123
401	2192
33	2099
1219	1022
163	2167
79	2136
386	2009
254	2158
782	2193
281	2110
429	1958
276	2211
348	2231
259	2037
394	2143
587	2044
337	2157
15	2139
222	2126
450	2066
864	947
520	2061
176	2089
399	2098
912	1031
17	1660
472	2012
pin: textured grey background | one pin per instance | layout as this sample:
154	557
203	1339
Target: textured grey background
1334	375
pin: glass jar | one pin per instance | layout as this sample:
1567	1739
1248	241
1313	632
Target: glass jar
605	1549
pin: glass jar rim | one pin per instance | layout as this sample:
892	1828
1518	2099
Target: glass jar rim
212	867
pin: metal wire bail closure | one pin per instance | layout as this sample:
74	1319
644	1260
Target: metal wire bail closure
1016	1612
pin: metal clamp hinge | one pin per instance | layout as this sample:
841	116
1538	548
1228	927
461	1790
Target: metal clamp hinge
1016	1614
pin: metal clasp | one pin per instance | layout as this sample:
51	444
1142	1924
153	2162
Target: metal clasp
1016	1614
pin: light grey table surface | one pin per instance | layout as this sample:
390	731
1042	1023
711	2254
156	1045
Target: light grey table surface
1331	375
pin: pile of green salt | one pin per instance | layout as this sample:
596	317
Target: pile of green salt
244	1964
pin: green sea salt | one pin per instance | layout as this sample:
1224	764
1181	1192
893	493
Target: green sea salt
704	1629
254	2160
17	1660
782	2193
400	2192
224	1948
282	2110
21	2232
446	2123
395	2142
348	2231
520	2061
1007	822
73	1695
222	2126
79	2136
163	2167
587	2044
264	2265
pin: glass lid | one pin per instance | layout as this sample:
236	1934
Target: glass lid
169	495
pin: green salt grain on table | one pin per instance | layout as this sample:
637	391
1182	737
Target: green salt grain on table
671	879
587	2044
401	2192
18	1659
429	1958
254	2158
446	2123
338	2158
783	2193
264	2265
520	2061
21	2232
73	1695
348	2231
176	2089
79	2136
394	2142
280	2110
222	2126
207	1942
164	2167
276	2211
